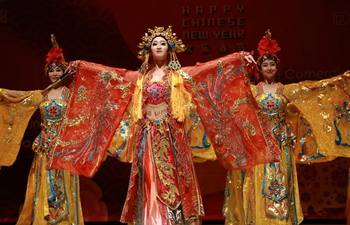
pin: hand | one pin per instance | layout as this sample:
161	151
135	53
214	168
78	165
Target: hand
249	58
72	68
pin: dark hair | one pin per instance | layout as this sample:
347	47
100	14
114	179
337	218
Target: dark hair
50	65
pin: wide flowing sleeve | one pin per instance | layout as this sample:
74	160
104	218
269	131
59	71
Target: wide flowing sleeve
99	99
232	120
15	113
319	114
200	144
121	146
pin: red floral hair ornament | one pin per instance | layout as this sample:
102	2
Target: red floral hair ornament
268	48
54	57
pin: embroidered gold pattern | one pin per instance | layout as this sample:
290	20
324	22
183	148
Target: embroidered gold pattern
164	168
9	137
123	88
234	107
80	96
76	121
108	75
66	143
247	123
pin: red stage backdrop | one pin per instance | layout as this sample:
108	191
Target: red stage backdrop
314	37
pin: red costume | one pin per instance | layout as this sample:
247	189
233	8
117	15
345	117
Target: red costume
153	135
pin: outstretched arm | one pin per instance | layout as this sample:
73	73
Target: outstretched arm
232	120
321	117
12	93
100	97
15	112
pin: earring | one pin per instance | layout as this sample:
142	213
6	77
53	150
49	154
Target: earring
144	66
174	62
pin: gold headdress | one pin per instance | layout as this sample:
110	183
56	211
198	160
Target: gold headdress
55	56
267	49
174	44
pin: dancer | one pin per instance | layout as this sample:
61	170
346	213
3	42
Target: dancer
153	105
268	193
52	196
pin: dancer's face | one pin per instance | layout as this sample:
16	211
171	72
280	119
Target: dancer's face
269	69
54	73
159	48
